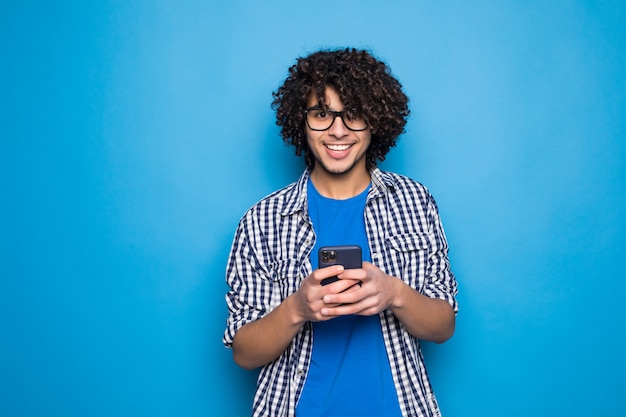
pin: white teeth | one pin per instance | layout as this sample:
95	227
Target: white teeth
337	147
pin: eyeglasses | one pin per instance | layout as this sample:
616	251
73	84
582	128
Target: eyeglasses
322	119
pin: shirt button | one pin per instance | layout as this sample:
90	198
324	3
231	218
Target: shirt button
300	372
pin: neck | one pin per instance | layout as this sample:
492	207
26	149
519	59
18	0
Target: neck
340	186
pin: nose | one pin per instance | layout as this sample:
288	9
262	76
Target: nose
338	128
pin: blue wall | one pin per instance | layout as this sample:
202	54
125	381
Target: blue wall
135	134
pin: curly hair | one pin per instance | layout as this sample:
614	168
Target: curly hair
364	85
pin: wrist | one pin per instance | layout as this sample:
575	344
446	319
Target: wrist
399	291
294	315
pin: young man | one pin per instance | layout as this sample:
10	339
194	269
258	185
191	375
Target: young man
349	348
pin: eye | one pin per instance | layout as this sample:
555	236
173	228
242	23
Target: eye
320	114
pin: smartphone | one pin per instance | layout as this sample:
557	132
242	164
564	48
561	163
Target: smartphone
349	256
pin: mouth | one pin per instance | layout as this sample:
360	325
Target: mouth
338	148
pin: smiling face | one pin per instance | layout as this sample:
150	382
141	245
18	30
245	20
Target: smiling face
338	151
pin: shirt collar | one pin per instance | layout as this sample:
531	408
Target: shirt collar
296	197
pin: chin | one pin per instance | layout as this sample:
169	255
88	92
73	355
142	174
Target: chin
335	170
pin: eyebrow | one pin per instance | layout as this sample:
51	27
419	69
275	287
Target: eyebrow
325	108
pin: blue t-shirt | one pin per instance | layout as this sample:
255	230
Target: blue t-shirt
349	373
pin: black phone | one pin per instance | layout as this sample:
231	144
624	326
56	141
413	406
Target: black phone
349	256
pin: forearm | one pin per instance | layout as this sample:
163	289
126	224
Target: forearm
263	340
425	318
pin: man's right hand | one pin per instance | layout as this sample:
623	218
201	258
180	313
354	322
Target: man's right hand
262	341
309	299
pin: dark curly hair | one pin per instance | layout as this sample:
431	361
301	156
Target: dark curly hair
364	84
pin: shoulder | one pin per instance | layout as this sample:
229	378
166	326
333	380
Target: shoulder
284	201
402	180
401	186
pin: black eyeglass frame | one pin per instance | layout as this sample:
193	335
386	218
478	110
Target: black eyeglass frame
335	115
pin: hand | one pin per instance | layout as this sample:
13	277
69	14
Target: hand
309	299
376	292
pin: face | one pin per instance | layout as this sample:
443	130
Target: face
337	150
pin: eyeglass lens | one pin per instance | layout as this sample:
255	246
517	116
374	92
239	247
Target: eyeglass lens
322	119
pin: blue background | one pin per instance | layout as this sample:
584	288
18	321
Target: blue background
135	134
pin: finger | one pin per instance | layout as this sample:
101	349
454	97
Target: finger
352	294
353	287
328	272
354	274
347	309
340	285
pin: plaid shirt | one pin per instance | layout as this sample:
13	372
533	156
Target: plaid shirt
270	258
